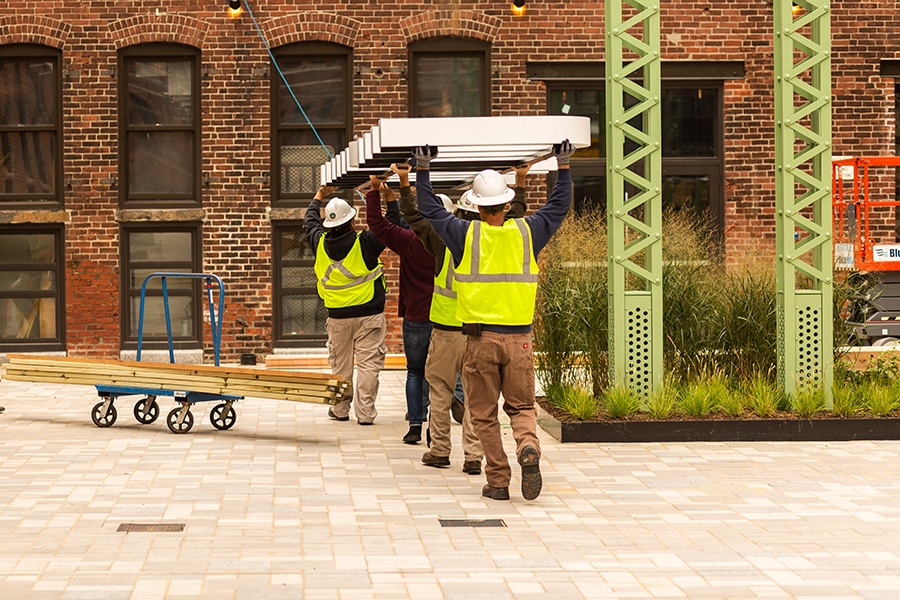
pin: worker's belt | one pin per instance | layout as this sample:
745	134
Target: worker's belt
476	329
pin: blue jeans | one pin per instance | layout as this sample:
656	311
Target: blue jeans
458	392
416	338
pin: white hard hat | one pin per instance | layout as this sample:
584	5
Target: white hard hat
489	189
466	204
338	212
448	203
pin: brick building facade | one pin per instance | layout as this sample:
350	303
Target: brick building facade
200	178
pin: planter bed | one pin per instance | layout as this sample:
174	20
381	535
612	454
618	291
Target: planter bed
721	430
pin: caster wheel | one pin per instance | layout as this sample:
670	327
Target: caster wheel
222	419
172	421
146	410
103	420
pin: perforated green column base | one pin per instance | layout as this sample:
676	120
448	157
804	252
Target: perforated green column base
639	341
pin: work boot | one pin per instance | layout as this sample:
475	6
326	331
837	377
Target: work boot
337	418
472	467
433	460
495	493
530	460
414	435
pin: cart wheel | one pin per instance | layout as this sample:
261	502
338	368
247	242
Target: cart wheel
222	419
172	421
101	420
146	410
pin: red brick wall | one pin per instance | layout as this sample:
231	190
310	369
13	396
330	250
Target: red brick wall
235	99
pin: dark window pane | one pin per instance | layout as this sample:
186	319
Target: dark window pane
160	246
160	162
589	192
689	122
680	192
27	248
27	92
170	251
181	315
28	318
27	162
302	155
295	277
318	84
172	283
160	93
29	289
295	247
448	86
302	315
583	103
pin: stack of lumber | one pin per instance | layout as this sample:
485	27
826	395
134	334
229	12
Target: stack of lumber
392	362
264	383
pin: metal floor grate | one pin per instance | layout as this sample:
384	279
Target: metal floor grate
151	527
472	523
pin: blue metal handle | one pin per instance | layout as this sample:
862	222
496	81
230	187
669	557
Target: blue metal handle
215	315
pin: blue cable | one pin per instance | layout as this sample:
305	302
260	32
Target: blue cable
284	79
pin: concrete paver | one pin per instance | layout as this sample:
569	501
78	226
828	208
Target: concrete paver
290	504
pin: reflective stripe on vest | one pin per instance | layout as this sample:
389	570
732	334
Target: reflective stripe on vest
443	300
497	278
347	282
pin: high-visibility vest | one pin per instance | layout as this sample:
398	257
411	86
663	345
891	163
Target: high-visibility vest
496	281
443	298
347	282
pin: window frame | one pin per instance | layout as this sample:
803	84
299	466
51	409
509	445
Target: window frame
712	166
449	46
280	339
59	292
195	340
160	51
305	50
55	199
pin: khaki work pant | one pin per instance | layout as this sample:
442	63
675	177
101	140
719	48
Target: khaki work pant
360	338
498	363
445	359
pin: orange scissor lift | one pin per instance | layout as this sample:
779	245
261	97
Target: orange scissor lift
875	314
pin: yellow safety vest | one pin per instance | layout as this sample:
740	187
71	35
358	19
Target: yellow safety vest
347	282
443	299
496	281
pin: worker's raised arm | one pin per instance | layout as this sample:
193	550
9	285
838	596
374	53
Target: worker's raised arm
549	217
518	206
312	222
450	229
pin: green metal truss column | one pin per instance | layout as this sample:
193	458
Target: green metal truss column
803	195
633	113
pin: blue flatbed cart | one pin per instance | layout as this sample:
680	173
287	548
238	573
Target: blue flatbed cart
146	410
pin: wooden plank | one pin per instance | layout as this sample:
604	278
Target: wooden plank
151	377
319	388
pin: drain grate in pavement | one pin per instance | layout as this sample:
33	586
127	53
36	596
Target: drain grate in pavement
472	523
151	527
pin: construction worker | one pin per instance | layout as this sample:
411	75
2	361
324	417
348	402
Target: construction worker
350	281
445	356
496	286
416	267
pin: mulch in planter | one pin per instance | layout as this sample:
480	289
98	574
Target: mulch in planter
784	427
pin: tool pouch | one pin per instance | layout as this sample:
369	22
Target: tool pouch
472	329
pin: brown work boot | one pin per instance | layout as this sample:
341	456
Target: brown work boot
530	460
472	467
433	460
495	493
